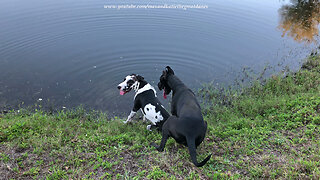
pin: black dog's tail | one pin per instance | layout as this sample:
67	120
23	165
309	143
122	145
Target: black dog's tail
193	153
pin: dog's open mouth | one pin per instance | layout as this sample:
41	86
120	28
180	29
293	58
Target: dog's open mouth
164	94
122	92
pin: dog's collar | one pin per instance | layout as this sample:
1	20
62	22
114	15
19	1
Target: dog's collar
145	88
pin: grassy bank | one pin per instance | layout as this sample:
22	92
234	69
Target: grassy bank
269	130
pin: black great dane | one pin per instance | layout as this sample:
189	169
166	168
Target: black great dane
186	125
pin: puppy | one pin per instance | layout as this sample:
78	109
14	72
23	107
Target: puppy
144	99
186	125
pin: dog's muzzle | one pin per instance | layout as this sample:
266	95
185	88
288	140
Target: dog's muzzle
124	91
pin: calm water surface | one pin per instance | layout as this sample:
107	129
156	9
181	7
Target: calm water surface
75	52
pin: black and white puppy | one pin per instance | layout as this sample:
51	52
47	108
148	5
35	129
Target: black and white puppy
186	125
144	99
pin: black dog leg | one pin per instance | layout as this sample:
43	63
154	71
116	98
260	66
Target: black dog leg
165	133
165	136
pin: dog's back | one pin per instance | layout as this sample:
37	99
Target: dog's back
152	108
189	113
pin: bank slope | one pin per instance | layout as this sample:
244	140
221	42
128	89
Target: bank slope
267	130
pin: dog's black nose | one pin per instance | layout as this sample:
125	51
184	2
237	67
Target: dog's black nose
119	87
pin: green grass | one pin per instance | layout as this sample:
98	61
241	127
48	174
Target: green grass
268	130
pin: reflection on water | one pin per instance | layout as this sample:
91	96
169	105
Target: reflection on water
300	19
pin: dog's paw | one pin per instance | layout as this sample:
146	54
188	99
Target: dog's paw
149	128
154	145
126	122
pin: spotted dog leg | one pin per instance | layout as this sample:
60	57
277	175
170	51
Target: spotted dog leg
130	117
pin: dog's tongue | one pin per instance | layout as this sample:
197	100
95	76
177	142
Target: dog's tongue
122	92
164	94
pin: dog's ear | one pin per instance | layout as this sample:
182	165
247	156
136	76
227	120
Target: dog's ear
134	77
139	78
164	73
169	70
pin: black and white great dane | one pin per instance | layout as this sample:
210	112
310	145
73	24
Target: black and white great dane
186	125
144	99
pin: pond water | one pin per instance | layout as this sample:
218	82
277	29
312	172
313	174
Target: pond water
72	52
